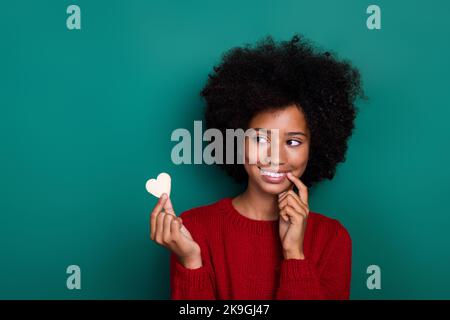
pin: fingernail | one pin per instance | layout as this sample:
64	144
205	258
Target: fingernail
163	196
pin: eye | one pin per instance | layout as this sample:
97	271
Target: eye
261	139
294	143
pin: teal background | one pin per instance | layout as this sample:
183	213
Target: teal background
86	119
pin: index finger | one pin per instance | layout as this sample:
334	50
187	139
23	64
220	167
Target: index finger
302	189
168	208
155	212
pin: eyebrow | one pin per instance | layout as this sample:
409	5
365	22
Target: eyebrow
294	133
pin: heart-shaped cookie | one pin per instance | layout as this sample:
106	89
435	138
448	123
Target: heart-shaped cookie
159	185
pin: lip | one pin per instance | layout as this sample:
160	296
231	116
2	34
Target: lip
274	180
278	171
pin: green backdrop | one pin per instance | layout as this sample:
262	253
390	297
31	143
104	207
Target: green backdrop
86	118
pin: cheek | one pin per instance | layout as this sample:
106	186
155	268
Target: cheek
253	153
246	151
299	159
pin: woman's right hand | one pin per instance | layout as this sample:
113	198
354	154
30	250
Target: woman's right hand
167	230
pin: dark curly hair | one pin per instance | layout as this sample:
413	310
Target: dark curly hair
273	75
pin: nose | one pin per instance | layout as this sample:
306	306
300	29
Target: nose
277	154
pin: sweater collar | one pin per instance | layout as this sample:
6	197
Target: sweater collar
260	227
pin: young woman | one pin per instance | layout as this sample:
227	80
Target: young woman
266	243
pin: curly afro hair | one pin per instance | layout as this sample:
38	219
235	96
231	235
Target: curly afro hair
273	75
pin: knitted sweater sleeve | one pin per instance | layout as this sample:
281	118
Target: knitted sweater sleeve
192	284
299	279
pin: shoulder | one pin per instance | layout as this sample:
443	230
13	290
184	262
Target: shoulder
203	216
331	227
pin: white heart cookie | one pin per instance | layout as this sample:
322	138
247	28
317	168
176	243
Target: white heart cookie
160	185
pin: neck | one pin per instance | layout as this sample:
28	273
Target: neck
257	204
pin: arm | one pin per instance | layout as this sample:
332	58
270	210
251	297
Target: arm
192	284
300	280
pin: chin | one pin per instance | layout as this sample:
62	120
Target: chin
274	189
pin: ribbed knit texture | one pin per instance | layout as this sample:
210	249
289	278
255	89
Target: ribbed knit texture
242	259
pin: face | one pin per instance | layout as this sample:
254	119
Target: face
293	141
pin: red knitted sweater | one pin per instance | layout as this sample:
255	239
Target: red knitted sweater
242	258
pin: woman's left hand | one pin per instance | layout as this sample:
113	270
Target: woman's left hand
294	211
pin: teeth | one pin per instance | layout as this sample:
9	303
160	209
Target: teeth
271	174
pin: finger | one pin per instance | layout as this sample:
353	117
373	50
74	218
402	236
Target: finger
302	189
281	194
290	193
293	215
301	209
283	215
175	227
168	207
160	227
294	203
293	197
156	210
166	228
